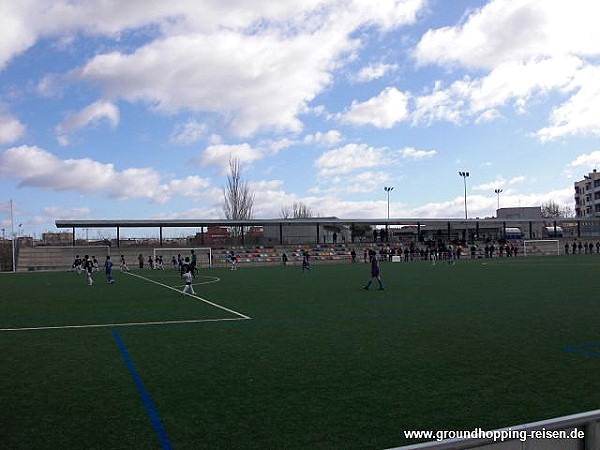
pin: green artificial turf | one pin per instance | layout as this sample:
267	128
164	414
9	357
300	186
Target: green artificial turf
320	364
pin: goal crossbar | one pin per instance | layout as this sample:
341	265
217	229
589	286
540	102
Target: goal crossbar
541	247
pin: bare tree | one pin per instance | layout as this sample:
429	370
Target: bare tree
551	209
238	199
285	212
297	210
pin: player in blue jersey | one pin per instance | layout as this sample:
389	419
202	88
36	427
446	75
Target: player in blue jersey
305	261
108	270
375	272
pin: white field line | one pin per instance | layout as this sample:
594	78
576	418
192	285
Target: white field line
122	324
243	316
214	280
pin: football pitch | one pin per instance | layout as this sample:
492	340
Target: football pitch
274	358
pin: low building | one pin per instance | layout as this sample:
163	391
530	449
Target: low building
520	213
63	238
297	231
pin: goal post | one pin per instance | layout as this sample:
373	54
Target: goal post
204	256
541	247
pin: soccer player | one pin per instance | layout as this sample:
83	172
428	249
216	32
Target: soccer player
193	268
233	261
77	264
123	266
108	270
375	272
88	267
185	267
305	262
187	279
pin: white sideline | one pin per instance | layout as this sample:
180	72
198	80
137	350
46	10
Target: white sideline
122	324
243	316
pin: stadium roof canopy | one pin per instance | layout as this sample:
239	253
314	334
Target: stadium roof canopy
194	223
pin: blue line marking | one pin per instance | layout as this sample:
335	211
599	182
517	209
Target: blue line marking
146	400
583	349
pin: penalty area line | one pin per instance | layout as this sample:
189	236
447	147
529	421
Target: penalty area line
243	316
123	324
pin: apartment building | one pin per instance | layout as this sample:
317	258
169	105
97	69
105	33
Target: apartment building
587	195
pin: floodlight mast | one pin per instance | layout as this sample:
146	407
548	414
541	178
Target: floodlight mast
388	189
465	175
12	235
498	192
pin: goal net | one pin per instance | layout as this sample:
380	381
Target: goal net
541	247
204	256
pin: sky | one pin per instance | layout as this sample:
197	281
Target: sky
132	109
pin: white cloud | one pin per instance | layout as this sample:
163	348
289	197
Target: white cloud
499	183
91	114
485	205
219	155
580	114
38	168
374	72
255	77
11	128
274	147
260	81
349	158
188	133
441	104
257	67
480	98
414	154
530	49
331	137
357	183
52	213
383	111
506	31
587	160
